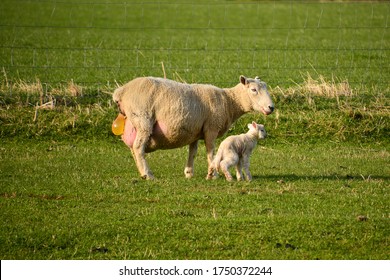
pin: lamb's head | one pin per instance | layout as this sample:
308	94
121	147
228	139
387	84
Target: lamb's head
259	97
258	130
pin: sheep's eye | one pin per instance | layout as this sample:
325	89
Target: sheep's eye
253	90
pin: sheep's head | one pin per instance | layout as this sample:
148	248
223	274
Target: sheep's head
258	94
257	129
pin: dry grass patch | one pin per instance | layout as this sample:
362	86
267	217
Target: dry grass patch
320	87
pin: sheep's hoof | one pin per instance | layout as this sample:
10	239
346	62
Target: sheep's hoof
148	177
188	172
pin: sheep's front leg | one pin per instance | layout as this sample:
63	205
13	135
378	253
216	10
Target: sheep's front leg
209	142
192	151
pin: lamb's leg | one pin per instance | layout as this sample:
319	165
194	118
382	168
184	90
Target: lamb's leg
239	174
245	165
225	164
211	173
189	169
230	158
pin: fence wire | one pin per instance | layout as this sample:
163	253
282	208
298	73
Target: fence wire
97	43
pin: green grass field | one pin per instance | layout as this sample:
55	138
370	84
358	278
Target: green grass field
86	201
203	41
69	188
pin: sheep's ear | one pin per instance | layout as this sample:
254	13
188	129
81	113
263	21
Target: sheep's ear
243	80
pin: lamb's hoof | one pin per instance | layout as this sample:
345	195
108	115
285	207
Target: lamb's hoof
212	177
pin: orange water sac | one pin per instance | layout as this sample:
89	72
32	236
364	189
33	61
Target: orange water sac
118	125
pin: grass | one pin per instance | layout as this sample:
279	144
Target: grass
276	40
85	201
315	110
69	188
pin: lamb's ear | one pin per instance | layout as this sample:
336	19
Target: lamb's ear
254	125
243	80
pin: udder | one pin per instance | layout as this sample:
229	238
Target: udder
157	138
129	134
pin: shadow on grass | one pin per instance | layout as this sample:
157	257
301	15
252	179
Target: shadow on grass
348	177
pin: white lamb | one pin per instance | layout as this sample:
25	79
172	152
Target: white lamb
236	150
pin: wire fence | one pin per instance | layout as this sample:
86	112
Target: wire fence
97	43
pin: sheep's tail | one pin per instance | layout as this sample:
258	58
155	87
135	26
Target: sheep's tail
117	95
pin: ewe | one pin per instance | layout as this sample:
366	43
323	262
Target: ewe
235	151
164	114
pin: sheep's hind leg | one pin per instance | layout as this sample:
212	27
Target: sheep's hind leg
139	154
192	151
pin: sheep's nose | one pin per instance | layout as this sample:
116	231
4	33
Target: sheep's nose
271	108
